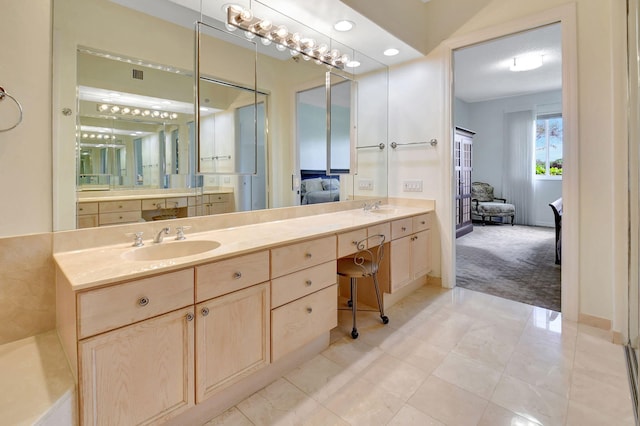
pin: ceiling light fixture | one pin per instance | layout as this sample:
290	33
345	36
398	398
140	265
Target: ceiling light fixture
243	19
391	52
344	25
526	63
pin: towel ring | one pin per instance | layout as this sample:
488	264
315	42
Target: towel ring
3	93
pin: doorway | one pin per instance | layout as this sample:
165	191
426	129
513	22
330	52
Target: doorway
508	94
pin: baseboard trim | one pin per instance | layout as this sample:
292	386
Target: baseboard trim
617	338
593	321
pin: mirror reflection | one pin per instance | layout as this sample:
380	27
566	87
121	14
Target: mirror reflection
144	148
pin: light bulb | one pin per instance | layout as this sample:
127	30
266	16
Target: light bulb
334	53
249	35
281	47
103	107
266	40
265	25
294	52
174	116
230	28
115	108
136	111
126	110
155	113
282	32
246	15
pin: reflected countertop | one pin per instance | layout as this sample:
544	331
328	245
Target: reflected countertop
96	196
110	264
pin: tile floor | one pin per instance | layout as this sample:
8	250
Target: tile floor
451	357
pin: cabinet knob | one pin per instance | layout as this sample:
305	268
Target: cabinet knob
204	312
423	222
308	282
404	228
143	301
189	316
237	275
309	310
308	255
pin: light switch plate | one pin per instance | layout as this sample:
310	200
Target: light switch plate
365	184
412	186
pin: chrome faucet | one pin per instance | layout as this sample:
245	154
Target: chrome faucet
376	205
161	234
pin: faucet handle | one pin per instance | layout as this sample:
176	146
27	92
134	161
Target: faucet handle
180	232
137	242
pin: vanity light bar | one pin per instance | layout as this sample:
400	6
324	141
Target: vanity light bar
125	110
97	136
297	44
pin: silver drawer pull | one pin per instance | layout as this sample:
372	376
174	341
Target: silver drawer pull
237	275
143	301
189	316
204	312
309	310
308	282
308	255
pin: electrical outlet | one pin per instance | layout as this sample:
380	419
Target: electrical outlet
365	184
412	186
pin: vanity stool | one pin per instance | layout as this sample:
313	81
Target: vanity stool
363	264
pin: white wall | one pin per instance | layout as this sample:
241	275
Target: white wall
487	120
25	152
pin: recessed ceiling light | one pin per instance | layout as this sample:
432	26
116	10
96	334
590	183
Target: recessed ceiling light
353	64
344	25
391	52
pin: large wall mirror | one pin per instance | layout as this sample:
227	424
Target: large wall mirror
125	128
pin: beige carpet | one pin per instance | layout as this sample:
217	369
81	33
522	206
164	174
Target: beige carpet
513	262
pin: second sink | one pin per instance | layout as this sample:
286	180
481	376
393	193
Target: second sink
170	250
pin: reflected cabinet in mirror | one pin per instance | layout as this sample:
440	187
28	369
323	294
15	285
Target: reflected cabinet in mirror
134	148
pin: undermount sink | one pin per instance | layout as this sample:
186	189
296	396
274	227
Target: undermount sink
384	210
171	250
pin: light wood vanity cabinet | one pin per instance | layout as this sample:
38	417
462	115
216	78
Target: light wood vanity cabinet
136	350
410	250
232	338
139	374
232	321
304	294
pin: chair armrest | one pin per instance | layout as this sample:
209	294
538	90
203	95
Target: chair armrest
504	200
475	200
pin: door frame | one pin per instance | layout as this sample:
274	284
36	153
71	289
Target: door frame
566	16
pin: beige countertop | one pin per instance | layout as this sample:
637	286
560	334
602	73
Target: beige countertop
88	197
108	264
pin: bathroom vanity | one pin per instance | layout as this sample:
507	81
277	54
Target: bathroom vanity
181	330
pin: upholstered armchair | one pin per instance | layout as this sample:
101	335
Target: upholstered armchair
486	205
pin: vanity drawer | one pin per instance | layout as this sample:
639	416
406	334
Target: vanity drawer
218	198
401	228
299	284
87	208
421	222
119	206
347	241
119	217
123	304
299	322
295	257
226	276
175	202
381	228
153	204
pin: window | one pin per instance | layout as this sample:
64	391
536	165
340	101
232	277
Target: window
549	145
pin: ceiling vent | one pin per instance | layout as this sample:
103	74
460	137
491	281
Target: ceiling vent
137	74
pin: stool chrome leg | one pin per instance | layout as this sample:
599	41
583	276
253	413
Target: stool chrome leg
354	307
385	319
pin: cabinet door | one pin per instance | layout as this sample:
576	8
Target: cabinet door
232	338
420	254
139	374
400	262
